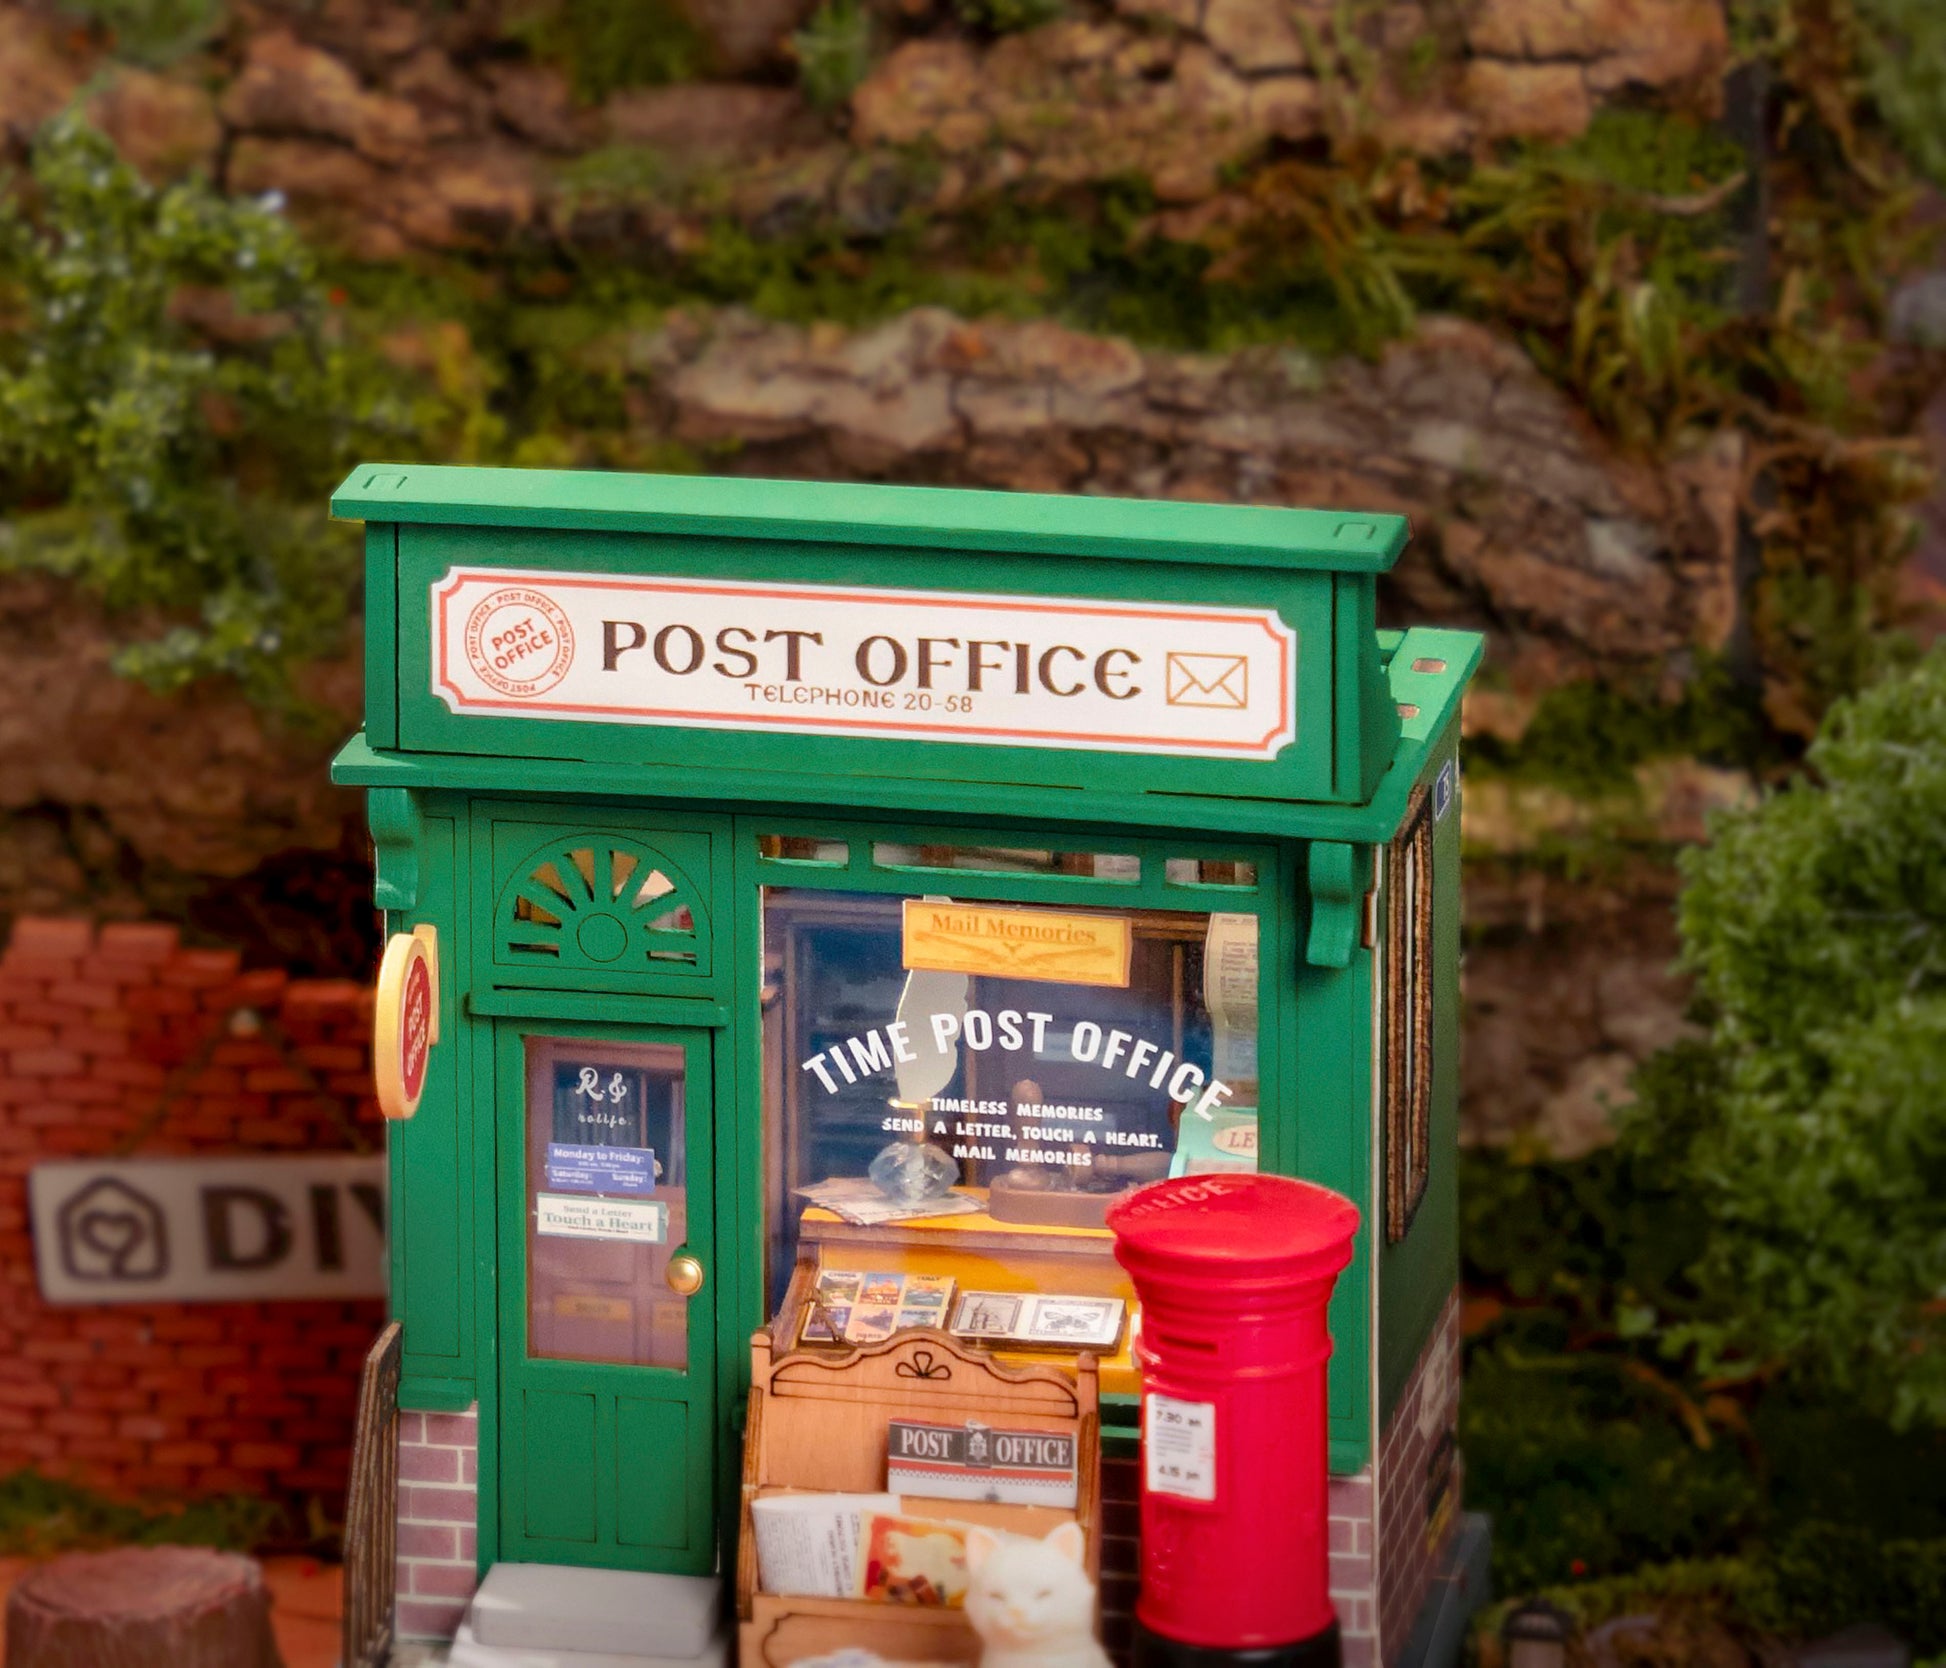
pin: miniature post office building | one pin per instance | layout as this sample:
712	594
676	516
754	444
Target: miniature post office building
841	894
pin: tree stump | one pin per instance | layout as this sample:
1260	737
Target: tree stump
142	1607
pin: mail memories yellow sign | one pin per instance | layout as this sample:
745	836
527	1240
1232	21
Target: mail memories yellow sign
1046	945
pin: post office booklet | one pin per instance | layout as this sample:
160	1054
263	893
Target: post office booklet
807	1544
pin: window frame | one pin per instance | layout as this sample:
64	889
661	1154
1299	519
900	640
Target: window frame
1408	1016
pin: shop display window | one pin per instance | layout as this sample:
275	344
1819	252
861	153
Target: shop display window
956	1089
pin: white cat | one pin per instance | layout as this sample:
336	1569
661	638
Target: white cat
1031	1602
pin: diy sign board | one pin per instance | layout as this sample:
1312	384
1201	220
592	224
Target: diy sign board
209	1230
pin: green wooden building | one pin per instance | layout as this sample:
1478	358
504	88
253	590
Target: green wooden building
779	833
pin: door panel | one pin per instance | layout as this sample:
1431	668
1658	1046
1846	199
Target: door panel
647	1515
607	1371
558	1441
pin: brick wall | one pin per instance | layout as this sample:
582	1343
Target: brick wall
439	1472
1354	1583
173	1399
1121	1550
1419	1479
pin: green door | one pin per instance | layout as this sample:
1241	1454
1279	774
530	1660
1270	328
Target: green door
607	1414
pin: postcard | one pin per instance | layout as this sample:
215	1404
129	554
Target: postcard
987	1315
912	1560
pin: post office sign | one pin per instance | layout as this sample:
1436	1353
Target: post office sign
1065	673
209	1230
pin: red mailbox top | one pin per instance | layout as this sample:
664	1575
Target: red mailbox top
1271	1228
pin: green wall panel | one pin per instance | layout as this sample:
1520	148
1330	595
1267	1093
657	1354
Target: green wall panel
1417	1275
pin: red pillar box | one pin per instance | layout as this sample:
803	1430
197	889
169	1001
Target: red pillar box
1234	1273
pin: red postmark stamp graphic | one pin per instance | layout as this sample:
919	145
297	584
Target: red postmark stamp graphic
519	642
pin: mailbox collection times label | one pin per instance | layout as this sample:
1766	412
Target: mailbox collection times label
1053	672
1179	1447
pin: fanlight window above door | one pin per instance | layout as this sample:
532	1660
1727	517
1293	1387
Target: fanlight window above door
604	905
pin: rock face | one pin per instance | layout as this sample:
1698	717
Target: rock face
1528	525
1565	991
126	802
391	127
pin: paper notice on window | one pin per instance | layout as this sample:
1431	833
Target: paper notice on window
1230	994
563	1216
1179	1447
807	1544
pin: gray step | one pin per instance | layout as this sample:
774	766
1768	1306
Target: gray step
634	1616
468	1652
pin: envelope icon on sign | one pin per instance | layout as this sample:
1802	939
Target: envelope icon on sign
1207	680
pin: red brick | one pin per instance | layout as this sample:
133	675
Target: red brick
103	1450
137	941
326	996
46	1062
265	1456
443	1581
428	1465
427	1540
150	999
334	1057
144	1427
185	1453
50	935
57	1349
159	1479
36	1394
85	992
456	1430
230	1479
66	1422
420	1504
26	1036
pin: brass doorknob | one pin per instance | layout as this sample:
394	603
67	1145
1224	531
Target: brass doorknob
685	1275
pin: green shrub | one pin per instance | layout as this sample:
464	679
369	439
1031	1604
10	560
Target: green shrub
1007	17
40	1516
604	46
1808	1127
834	52
175	471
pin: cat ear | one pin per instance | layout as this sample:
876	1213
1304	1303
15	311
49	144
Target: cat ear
981	1544
1068	1540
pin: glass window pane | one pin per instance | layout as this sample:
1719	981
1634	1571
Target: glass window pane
999	1063
606	1201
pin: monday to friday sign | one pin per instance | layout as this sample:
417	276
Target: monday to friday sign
1050	672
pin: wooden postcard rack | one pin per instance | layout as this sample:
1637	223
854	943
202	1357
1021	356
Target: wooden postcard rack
818	1422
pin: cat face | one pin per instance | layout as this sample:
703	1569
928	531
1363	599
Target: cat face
1026	1592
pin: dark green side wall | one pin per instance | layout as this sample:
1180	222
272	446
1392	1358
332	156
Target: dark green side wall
1417	1275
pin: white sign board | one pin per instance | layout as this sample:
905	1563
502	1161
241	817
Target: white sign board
1051	672
566	1216
1179	1446
209	1230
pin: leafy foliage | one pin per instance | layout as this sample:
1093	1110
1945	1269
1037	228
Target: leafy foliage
1007	17
1809	1125
1610	1460
175	469
40	1516
605	46
151	32
834	51
1589	737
